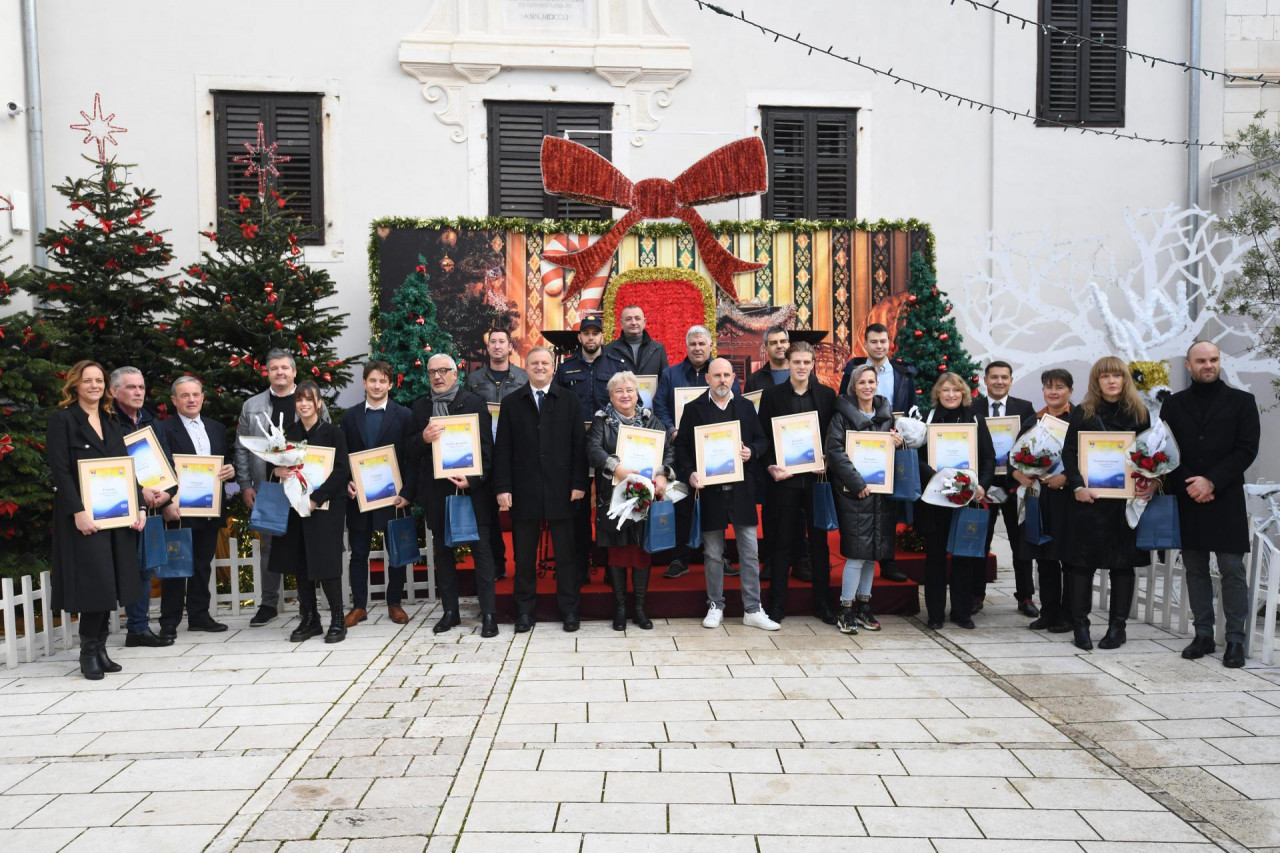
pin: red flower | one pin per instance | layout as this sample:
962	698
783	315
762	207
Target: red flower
1161	457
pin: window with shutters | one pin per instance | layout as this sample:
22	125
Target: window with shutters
1082	81
812	163
516	129
292	120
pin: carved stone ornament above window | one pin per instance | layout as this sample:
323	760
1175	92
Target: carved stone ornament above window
466	43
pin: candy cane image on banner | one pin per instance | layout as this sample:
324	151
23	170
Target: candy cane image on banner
553	275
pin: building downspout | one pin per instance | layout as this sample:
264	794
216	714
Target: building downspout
1193	132
35	127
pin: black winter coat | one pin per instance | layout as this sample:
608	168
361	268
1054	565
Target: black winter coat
432	492
396	430
540	455
1217	430
652	357
732	503
1055	519
97	572
602	445
317	539
868	526
928	513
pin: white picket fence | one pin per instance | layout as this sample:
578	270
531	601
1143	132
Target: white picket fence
32	644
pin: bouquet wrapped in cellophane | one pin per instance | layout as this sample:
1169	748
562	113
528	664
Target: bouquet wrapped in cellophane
631	499
278	451
1036	453
1153	454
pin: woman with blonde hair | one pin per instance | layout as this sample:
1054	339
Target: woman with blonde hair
94	571
1100	536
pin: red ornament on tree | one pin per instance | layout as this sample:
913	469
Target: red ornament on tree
918	333
942	368
417	362
944	337
912	298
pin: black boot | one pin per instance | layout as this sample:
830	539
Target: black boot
448	619
337	621
640	580
308	622
90	668
107	664
1121	602
1080	587
618	580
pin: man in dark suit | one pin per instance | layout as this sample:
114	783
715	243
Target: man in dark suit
1217	430
896	383
998	404
642	354
379	422
191	434
539	471
448	397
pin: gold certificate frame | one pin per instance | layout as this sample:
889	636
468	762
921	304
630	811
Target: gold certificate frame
797	443
683	397
1056	427
1004	432
641	450
494	410
376	473
871	454
754	397
109	491
646	387
149	463
716	453
1104	463
317	465
199	489
457	452
953	446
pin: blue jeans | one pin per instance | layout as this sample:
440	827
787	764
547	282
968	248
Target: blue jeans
857	579
137	614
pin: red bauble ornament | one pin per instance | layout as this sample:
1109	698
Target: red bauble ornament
941	368
935	291
975	393
918	333
417	362
421	321
919	391
446	264
912	298
944	337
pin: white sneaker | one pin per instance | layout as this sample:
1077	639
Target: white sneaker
760	620
713	618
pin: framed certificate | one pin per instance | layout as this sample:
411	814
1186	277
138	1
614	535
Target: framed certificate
1056	427
149	464
494	409
317	465
641	450
871	454
716	458
684	396
457	452
1004	431
109	491
797	443
953	446
376	474
199	489
646	386
754	397
1104	463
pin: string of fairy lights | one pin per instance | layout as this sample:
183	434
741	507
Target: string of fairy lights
964	100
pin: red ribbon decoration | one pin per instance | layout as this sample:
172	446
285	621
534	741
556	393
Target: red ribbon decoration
576	172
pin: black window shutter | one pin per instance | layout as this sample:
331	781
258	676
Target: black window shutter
516	130
294	122
1080	82
812	157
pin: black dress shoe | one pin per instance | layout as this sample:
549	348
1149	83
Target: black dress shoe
489	625
935	624
264	615
524	622
1042	623
571	622
1027	608
1200	646
146	638
449	619
1233	656
205	623
978	604
825	614
1060	626
967	624
169	632
895	575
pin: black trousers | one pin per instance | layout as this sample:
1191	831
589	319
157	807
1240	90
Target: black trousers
935	568
497	545
524	539
92	624
582	537
793	509
1053	603
447	570
684	523
332	594
359	538
1025	588
192	591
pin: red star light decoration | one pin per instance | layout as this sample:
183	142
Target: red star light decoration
99	128
5	204
261	160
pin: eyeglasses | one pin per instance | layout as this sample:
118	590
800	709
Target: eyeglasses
440	371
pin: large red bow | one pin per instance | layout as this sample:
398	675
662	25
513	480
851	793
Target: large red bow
575	171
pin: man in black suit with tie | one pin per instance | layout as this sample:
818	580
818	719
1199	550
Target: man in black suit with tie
998	404
379	422
540	469
191	434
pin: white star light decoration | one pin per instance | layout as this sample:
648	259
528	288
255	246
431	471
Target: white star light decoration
261	160
99	128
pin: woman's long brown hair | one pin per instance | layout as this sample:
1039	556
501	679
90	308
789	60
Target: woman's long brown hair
1130	399
71	387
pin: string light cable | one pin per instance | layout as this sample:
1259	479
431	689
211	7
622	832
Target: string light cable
946	96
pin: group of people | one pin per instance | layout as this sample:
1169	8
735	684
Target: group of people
556	442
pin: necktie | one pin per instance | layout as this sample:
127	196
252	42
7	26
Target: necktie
538	399
996	408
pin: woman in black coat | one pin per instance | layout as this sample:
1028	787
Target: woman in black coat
94	571
311	547
1100	536
624	542
950	405
868	523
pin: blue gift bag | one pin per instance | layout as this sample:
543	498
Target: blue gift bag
270	510
402	541
181	557
695	526
906	475
1033	526
460	521
1159	529
660	526
152	553
968	535
824	508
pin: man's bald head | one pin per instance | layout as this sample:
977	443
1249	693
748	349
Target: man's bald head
720	377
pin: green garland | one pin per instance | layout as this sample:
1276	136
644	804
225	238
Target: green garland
600	226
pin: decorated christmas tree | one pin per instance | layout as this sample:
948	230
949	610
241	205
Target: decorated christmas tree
29	389
928	338
105	290
411	335
254	293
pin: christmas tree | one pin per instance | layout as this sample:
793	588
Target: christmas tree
411	335
106	291
928	338
29	389
252	294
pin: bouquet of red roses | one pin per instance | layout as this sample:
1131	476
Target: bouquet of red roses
631	499
951	487
636	491
1154	452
